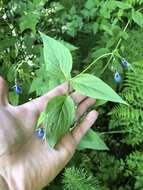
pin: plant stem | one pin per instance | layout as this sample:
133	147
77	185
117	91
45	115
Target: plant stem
113	132
92	63
104	55
119	42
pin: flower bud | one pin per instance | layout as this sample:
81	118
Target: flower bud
117	77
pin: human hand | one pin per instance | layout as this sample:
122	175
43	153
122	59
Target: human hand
26	163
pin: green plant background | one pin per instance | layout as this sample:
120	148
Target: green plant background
89	28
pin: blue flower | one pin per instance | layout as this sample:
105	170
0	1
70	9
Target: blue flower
125	63
40	133
18	89
117	77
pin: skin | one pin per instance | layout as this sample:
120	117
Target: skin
26	162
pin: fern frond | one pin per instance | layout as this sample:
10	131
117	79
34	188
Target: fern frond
135	2
134	79
131	117
78	179
127	113
133	46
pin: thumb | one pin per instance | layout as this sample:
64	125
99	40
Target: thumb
80	131
3	92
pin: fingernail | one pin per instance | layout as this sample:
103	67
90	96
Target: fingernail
94	114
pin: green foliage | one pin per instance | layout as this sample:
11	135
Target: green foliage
58	59
95	27
94	87
130	118
13	98
92	140
78	179
137	18
58	62
60	113
110	170
135	2
107	169
126	121
30	12
131	49
134	165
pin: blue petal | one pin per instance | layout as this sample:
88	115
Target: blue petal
40	133
125	63
18	89
117	77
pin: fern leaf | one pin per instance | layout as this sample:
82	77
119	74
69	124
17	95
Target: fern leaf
78	179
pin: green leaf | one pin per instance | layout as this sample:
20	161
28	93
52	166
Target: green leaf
41	119
38	3
90	4
13	98
105	12
106	28
60	113
7	42
137	18
94	87
92	140
57	58
99	52
34	84
100	103
123	5
69	46
29	21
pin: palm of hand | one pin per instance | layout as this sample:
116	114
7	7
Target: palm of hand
26	162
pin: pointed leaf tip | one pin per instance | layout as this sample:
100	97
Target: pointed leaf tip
57	57
94	87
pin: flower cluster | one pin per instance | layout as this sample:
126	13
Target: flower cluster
18	89
117	75
40	133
